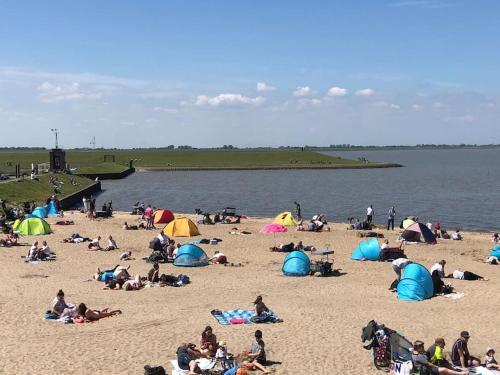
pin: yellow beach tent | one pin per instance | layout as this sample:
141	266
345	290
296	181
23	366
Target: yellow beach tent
33	226
181	227
286	219
407	223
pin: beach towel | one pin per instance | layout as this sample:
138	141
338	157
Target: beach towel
454	295
238	316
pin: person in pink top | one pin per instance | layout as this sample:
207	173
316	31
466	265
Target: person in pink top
148	214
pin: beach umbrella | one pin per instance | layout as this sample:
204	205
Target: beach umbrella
273	228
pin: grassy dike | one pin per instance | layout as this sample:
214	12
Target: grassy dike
26	190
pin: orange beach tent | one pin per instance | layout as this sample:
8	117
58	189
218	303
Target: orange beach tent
163	217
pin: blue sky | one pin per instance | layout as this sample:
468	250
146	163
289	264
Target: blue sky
249	73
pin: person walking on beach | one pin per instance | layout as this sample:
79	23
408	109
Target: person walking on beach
298	211
390	218
369	214
148	214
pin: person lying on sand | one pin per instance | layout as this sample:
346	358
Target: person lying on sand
186	356
257	354
126	256
94	244
93	315
288	248
465	275
300	247
236	231
492	260
75	238
133	284
218	258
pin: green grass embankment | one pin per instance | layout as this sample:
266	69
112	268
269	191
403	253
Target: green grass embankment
27	190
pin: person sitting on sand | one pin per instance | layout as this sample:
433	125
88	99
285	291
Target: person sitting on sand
186	356
46	250
435	353
262	313
422	364
457	236
93	315
208	342
489	360
176	250
111	244
465	275
126	256
154	273
59	304
257	354
460	355
94	244
170	248
218	258
33	252
438	284
133	284
495	238
11	239
439	267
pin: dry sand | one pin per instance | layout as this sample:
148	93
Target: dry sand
322	316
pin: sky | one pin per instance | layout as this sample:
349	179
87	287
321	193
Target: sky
249	73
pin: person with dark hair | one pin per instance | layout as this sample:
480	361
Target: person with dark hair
460	355
208	342
186	356
93	315
257	354
59	304
422	364
298	210
262	312
390	218
154	273
369	214
465	275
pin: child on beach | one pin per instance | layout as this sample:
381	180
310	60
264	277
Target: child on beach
111	244
489	360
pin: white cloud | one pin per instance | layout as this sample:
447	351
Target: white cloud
228	99
51	93
264	87
395	106
438	105
303	91
417	107
166	110
365	92
337	91
309	102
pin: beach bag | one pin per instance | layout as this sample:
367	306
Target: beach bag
183	279
51	315
159	370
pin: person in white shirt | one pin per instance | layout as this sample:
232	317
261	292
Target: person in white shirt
385	245
46	249
33	253
430	226
94	244
111	244
465	275
439	267
218	258
457	236
369	214
163	239
398	265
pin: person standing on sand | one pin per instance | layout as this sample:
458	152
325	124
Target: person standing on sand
298	210
390	218
369	214
148	214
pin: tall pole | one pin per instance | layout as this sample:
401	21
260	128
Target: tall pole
55	132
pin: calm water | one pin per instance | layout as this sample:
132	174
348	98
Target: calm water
459	188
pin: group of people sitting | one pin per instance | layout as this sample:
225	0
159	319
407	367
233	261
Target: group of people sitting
253	358
205	218
432	361
317	223
288	248
77	313
164	249
40	253
95	244
11	239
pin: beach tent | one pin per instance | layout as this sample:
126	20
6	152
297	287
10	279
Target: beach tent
296	263
40	212
415	284
495	252
190	256
52	209
369	250
286	219
16	224
33	226
181	227
413	232
407	222
163	217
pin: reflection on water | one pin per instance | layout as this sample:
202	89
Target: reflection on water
459	188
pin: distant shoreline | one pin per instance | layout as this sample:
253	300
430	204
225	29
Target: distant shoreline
278	167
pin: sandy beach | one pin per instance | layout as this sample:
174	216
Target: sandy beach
322	317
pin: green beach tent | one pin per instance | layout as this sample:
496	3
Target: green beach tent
33	226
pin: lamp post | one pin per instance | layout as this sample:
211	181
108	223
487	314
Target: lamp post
55	132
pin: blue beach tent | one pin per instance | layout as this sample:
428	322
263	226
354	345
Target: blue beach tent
191	256
415	284
296	263
495	252
51	209
369	250
39	212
